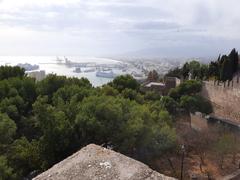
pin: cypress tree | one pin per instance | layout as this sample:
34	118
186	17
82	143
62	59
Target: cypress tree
185	70
226	69
233	56
214	70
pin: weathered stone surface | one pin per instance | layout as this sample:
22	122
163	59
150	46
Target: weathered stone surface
95	163
225	100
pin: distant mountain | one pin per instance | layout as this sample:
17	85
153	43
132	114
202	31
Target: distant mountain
174	52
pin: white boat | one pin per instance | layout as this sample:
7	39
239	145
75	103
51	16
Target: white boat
105	74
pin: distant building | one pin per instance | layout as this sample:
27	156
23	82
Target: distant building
154	86
38	75
161	88
171	82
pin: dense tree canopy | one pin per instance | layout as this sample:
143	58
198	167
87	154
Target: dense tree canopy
122	82
7	129
222	69
41	123
190	87
186	94
6	172
8	72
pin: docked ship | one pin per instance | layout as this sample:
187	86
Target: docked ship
28	67
105	74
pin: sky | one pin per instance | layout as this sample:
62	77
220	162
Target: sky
161	28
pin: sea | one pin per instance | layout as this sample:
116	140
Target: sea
51	65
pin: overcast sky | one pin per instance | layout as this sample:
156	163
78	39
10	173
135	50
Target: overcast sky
118	27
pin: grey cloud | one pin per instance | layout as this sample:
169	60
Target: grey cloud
124	25
136	12
65	17
156	25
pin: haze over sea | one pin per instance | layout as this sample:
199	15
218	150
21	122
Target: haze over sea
50	65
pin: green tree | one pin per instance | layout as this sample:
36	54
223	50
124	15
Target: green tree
226	69
169	104
190	87
214	70
176	72
67	93
234	58
50	84
152	96
122	82
195	103
57	132
126	125
190	103
174	93
132	95
164	140
204	72
109	91
6	172
24	156
195	68
9	72
14	107
204	105
7	129
185	70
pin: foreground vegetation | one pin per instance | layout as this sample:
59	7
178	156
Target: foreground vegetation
42	123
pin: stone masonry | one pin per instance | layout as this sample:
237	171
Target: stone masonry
225	100
95	163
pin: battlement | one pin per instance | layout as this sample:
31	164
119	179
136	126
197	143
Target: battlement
225	98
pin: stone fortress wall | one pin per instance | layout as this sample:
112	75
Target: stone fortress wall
225	98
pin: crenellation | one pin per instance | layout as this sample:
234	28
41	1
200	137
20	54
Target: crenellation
225	100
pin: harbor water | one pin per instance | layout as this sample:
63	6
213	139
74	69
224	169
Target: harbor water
52	64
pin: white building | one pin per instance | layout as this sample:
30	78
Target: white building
38	75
